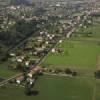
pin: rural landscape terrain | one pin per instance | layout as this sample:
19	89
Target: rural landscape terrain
50	49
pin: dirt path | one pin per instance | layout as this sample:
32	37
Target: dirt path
68	35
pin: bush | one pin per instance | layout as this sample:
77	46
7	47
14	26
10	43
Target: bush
68	71
57	71
97	74
74	73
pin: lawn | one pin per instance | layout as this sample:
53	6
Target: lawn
53	88
77	54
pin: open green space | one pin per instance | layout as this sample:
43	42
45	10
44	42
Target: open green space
52	88
5	72
93	29
97	90
76	54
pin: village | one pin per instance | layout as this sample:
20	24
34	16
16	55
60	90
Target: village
46	26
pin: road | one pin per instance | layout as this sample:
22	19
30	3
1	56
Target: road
68	35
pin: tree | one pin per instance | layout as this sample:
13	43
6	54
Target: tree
12	66
97	74
40	11
74	73
57	71
20	66
68	71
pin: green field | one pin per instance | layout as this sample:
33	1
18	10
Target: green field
77	54
53	88
97	90
95	29
5	72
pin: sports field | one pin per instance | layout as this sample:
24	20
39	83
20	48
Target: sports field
53	88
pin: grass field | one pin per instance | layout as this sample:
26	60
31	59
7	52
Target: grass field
95	29
5	72
77	54
97	92
53	88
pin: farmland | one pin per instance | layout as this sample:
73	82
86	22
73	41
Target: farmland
81	34
50	50
53	87
76	54
5	72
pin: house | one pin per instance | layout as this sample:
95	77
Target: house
19	79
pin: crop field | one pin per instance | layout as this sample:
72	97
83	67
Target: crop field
52	88
76	54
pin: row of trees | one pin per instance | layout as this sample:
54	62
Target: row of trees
97	74
67	71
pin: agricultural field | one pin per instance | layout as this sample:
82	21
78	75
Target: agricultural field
5	72
97	90
76	54
95	29
90	33
52	88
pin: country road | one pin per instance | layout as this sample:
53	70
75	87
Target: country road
68	35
